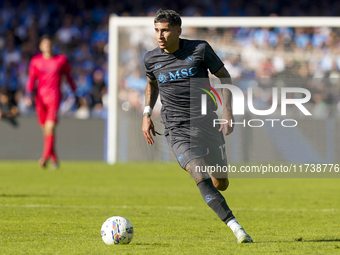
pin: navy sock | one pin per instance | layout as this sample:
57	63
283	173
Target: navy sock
215	200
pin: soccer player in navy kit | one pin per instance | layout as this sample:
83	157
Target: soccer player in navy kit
169	69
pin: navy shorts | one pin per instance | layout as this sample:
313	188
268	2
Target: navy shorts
201	140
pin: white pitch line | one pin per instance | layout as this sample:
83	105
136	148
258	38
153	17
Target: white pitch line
165	207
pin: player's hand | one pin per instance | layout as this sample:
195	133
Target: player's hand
147	126
228	128
28	101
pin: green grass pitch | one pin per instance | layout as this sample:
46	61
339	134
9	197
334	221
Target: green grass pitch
61	212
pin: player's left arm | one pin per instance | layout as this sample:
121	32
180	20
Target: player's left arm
225	78
67	72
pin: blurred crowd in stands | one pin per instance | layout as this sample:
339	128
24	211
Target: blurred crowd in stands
80	30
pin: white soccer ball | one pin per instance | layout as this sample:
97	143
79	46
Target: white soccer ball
117	230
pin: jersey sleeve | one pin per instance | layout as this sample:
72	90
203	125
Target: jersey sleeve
32	76
148	69
211	60
67	72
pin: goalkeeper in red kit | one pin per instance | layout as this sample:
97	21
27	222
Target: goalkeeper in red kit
47	69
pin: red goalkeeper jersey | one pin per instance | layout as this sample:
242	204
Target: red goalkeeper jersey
48	72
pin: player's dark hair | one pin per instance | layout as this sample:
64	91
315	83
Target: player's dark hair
45	36
168	16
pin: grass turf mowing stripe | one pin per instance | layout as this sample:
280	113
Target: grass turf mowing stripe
167	207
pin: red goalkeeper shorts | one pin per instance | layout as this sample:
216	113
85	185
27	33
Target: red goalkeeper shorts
47	110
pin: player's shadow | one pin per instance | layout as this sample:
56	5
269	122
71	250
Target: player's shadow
322	240
302	241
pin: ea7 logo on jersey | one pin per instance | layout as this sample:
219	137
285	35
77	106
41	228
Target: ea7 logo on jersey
158	66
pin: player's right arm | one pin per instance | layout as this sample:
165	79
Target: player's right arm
151	95
30	85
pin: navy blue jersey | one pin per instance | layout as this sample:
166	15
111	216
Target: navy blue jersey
173	72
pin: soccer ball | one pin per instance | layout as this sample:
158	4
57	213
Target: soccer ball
117	230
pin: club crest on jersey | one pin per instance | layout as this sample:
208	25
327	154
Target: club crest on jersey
190	59
162	78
